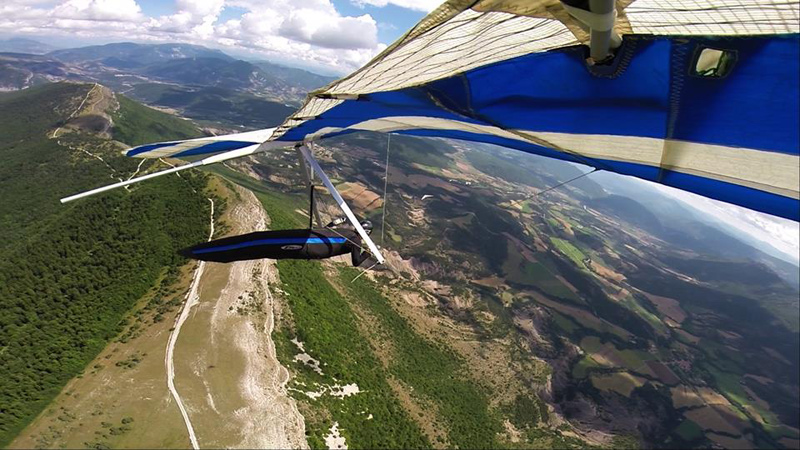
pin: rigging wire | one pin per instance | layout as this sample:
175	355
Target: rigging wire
383	217
385	187
363	272
551	188
310	204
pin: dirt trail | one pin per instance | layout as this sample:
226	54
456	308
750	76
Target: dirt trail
103	95
229	376
229	387
55	133
191	300
138	168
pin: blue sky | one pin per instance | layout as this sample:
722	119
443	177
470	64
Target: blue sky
332	36
392	20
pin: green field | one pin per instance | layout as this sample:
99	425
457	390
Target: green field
535	274
689	431
564	323
572	252
651	318
632	360
582	368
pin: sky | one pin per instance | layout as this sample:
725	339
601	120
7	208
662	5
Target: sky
334	36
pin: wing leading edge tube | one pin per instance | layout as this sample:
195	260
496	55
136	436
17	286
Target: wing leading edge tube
245	146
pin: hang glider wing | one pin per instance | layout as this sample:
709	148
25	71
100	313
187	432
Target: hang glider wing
701	95
202	146
221	148
225	148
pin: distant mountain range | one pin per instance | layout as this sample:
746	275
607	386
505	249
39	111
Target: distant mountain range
685	225
214	104
22	45
131	55
123	66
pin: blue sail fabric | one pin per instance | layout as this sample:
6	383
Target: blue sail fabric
203	146
199	149
733	135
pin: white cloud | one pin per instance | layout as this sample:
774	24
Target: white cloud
200	8
193	17
417	5
318	29
98	10
312	31
11	13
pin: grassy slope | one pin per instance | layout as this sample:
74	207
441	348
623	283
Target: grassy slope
136	124
570	250
322	319
68	274
325	322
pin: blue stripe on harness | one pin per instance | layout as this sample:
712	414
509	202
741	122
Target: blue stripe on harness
274	241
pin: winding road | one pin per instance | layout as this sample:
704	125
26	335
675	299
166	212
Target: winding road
191	300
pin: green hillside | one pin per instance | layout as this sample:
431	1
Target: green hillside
69	273
136	124
215	104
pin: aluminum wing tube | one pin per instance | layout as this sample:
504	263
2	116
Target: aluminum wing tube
242	152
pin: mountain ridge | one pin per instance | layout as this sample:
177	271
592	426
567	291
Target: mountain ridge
24	45
139	54
123	66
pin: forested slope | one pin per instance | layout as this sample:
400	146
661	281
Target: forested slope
69	273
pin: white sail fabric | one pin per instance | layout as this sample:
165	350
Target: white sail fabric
461	35
713	17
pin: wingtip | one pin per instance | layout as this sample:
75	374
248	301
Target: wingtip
188	252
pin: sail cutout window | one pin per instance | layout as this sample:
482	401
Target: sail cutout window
713	63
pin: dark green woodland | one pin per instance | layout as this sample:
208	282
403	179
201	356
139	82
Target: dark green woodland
70	273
